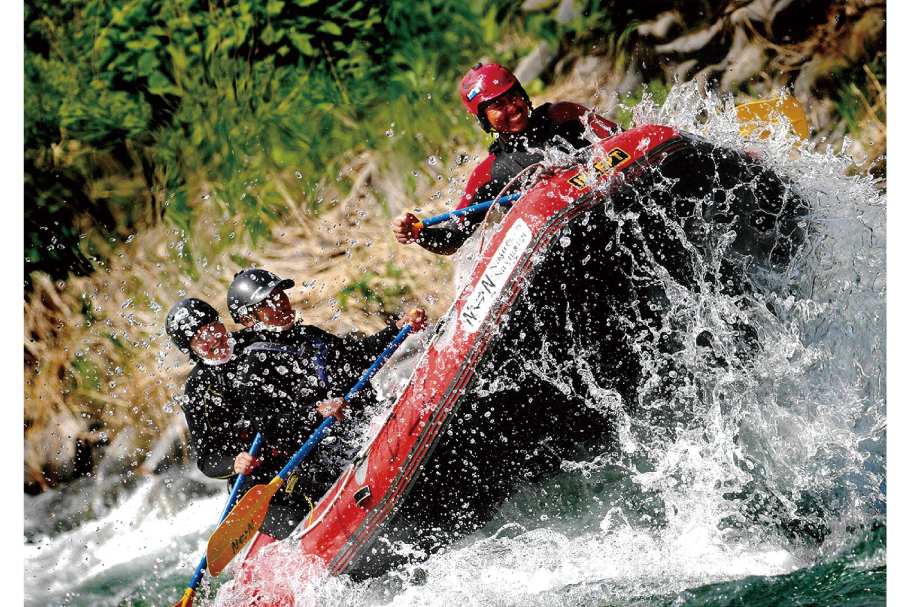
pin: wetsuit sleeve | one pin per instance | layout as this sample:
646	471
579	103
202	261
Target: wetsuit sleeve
213	444
349	358
565	111
369	348
449	237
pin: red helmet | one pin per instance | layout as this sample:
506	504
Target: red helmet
484	82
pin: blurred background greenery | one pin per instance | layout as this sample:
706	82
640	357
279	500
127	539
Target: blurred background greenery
169	143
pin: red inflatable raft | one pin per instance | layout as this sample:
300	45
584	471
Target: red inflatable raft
440	453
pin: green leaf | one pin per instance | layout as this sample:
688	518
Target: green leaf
158	84
147	63
274	7
149	43
302	42
271	36
330	27
178	57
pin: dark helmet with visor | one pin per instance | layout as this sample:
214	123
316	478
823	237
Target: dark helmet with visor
185	319
250	287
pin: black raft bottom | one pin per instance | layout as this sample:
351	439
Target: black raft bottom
574	345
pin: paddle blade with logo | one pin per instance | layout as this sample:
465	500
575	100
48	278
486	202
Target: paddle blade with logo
755	116
235	532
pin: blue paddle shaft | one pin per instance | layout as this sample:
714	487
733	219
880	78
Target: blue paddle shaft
475	208
323	428
235	492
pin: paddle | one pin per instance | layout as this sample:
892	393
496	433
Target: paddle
474	208
244	521
190	593
769	111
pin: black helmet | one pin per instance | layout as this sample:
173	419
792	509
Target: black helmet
186	318
250	287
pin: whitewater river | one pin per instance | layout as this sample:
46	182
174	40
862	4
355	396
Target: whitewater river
772	492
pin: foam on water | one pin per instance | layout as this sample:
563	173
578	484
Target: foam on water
147	535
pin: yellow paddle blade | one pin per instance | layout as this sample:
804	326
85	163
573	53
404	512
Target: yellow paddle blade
187	600
757	114
240	526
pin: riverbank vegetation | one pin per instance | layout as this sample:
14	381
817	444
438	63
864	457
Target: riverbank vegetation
171	143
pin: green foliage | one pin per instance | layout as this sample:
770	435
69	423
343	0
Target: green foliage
137	104
600	26
360	290
374	298
86	374
177	93
856	97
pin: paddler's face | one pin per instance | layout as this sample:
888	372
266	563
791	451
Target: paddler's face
211	341
508	113
275	310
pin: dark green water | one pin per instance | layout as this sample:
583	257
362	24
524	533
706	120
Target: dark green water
857	577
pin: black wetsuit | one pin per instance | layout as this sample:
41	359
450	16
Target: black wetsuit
214	414
282	376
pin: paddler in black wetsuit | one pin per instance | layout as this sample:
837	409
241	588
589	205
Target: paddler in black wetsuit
210	403
501	105
291	377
